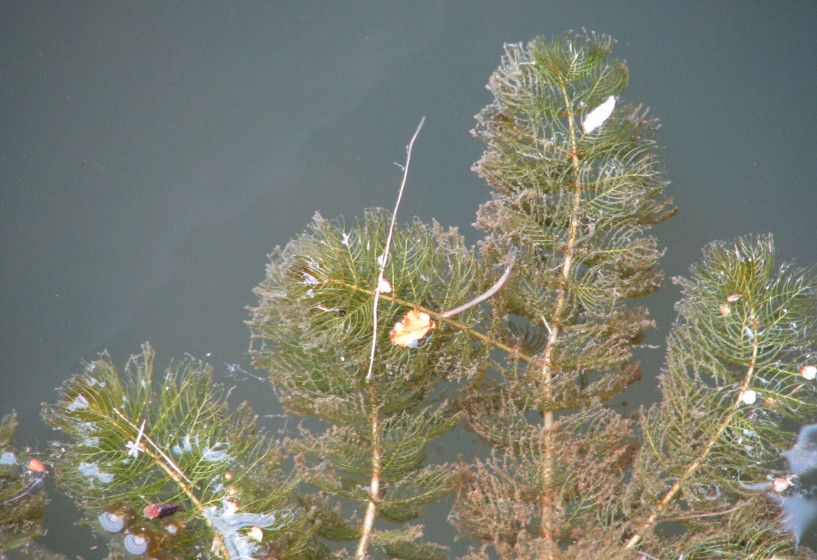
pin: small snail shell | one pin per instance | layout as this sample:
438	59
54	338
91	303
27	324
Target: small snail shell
116	518
138	541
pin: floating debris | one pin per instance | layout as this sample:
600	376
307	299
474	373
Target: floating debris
8	458
158	511
256	534
383	286
748	397
595	118
809	372
414	325
78	403
91	470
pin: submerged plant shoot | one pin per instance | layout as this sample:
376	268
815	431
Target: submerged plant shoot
382	336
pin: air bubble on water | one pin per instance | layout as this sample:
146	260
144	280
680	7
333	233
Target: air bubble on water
78	403
755	486
791	407
228	523
227	520
216	453
713	493
802	458
801	513
8	458
240	546
91	470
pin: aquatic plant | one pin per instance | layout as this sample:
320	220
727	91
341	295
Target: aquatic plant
170	467
387	336
22	500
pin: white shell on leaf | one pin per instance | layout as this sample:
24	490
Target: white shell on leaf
383	286
782	483
748	396
595	118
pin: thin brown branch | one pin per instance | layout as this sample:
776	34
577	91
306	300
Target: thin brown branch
547	505
167	464
374	414
385	256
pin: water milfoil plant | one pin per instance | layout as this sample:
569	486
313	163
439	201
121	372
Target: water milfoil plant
382	336
170	468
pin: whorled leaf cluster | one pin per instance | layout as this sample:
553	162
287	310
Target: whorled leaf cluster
134	444
578	206
738	376
313	333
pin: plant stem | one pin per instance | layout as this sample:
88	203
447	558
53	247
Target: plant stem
710	445
161	459
374	483
385	256
547	505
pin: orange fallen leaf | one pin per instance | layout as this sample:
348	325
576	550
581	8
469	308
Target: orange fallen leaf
414	325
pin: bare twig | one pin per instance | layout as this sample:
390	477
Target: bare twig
169	465
385	257
374	483
511	258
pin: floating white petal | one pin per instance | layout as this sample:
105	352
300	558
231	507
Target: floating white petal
597	116
133	449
